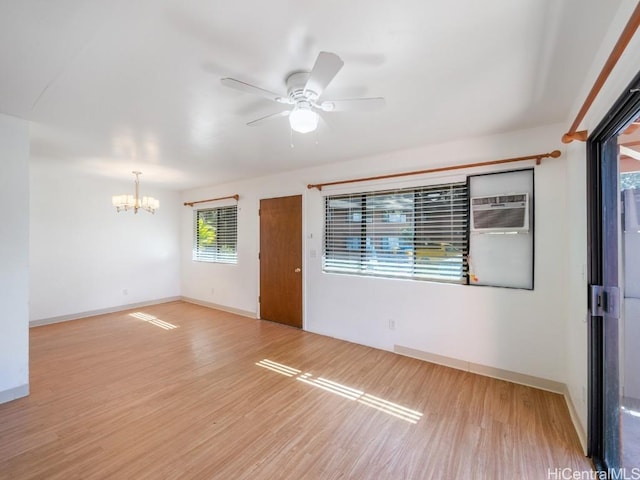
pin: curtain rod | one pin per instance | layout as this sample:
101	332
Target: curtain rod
191	204
538	158
614	56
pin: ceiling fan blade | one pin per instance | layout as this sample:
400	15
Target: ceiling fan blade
326	67
268	118
354	104
248	88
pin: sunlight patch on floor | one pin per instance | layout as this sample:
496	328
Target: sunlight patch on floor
328	386
153	320
278	368
390	408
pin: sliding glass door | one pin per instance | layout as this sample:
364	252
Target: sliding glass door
614	283
629	197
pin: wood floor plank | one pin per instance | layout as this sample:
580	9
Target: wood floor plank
182	391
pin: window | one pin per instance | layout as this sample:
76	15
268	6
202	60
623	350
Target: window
216	234
419	233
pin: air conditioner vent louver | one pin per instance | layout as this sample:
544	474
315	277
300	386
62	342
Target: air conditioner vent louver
500	213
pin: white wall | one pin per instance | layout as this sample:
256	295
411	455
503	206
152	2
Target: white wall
576	334
14	258
84	254
515	330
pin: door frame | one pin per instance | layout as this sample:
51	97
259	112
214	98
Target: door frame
282	194
602	167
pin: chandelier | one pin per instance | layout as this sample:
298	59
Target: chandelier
131	202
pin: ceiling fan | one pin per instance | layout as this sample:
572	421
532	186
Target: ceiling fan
304	92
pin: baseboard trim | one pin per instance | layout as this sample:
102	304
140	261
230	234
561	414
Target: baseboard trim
224	308
14	393
102	311
513	377
577	424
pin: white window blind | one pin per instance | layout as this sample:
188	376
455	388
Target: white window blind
215	234
419	233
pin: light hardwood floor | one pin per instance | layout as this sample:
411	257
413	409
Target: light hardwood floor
128	396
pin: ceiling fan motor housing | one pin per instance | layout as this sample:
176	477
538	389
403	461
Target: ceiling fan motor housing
295	88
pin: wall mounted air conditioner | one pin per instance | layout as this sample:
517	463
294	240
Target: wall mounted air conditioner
500	213
631	199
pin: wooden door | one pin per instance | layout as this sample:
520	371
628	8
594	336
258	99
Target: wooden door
281	260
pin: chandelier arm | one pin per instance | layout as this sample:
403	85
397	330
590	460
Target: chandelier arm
137	200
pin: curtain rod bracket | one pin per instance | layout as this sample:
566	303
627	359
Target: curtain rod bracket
580	136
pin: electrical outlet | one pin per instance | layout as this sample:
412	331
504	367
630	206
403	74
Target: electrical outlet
125	292
392	324
213	291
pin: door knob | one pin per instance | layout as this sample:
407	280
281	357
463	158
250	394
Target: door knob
297	270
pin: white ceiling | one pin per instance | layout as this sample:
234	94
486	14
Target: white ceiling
115	85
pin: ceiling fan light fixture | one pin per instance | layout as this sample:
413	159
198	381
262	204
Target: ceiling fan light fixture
303	120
